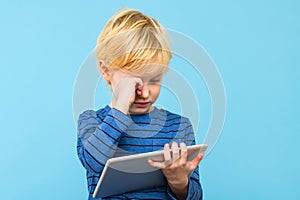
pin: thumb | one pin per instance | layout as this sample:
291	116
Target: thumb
131	99
195	162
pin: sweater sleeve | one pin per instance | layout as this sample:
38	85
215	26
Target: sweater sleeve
194	186
98	139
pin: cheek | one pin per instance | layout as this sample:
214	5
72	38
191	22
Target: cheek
155	90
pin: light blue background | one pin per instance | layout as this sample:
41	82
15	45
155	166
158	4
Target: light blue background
255	45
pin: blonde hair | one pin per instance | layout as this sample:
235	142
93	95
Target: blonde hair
132	41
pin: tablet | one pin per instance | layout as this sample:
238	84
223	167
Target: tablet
130	173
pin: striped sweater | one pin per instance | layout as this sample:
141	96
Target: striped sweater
110	133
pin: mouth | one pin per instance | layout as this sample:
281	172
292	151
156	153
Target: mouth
141	104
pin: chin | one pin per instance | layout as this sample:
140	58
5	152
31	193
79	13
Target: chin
139	111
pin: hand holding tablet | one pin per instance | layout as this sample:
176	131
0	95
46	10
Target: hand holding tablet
177	168
134	172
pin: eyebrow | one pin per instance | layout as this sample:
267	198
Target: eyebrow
157	76
150	76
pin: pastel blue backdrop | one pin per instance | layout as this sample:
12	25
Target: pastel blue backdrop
255	45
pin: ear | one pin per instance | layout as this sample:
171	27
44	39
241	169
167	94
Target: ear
105	72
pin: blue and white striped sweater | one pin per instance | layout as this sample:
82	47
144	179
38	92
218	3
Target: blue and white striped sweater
109	133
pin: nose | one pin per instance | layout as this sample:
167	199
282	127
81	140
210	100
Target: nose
143	91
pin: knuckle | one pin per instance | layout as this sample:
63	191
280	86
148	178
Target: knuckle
174	143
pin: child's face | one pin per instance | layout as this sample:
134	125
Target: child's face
145	95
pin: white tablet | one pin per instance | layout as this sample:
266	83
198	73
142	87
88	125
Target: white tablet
129	173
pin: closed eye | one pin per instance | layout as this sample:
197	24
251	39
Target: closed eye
154	81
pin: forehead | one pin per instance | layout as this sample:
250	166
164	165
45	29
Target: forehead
147	75
149	70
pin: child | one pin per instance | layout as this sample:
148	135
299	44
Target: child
133	55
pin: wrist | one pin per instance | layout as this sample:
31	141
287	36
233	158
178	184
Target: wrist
121	107
179	190
179	184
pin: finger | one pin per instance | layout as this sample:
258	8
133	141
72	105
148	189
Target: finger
167	155
195	162
131	99
175	152
122	82
159	165
138	86
138	83
139	92
183	153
